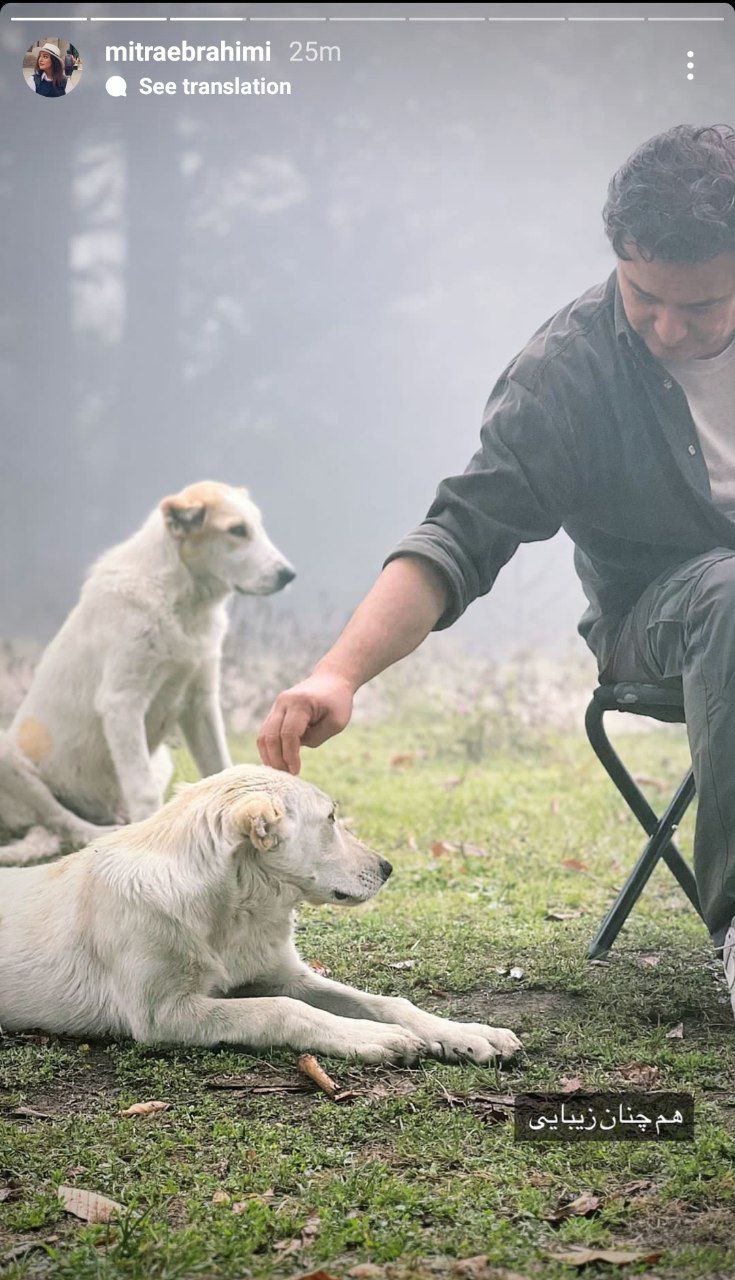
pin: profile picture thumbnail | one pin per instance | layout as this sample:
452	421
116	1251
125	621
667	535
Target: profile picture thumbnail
52	67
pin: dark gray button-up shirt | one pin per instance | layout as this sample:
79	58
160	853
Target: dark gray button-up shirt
586	431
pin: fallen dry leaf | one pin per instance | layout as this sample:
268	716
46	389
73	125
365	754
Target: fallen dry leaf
5	1193
402	759
365	1271
573	914
239	1206
440	847
412	843
90	1206
638	1074
475	851
309	1231
573	864
540	1179
146	1108
634	1188
650	960
221	1197
554	805
402	964
317	1275
516	972
583	1206
581	1257
676	1033
260	1197
309	1067
30	1113
570	1084
318	967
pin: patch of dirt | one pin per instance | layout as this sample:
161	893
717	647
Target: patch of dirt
679	1224
521	1010
80	1089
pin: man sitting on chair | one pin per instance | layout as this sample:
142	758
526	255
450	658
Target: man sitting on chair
615	422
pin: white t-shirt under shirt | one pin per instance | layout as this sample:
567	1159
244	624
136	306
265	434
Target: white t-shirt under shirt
709	386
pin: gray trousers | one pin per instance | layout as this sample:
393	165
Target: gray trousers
681	633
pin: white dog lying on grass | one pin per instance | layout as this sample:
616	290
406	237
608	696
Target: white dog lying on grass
147	932
138	655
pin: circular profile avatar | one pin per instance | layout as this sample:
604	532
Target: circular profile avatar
52	67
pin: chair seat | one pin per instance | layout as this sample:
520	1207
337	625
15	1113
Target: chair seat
652	700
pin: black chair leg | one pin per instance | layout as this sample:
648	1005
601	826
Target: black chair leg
660	831
633	887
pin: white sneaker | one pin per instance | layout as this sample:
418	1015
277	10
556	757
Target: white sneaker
728	961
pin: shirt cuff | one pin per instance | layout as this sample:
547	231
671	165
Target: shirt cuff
415	544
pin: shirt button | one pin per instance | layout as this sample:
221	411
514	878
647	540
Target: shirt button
692	450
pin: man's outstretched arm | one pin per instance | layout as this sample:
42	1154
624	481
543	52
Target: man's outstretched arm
396	615
518	487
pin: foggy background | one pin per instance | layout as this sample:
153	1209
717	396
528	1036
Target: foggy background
309	295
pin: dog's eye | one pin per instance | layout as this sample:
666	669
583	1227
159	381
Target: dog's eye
238	530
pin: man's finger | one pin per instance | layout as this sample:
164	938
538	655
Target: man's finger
295	723
269	738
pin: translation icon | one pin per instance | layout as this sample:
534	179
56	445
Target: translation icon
116	86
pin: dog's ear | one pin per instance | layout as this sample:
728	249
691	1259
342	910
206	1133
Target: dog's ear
258	819
182	518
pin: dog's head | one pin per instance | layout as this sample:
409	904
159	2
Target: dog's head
219	534
291	831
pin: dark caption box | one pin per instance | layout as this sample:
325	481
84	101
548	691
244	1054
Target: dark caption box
656	1116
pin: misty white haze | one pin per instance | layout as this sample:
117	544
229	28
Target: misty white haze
309	295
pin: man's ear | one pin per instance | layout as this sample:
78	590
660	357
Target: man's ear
259	820
182	518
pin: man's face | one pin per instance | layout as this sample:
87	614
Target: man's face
681	310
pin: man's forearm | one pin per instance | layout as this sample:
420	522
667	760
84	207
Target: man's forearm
396	615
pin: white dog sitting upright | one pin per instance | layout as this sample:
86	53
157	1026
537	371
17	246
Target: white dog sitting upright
139	654
146	932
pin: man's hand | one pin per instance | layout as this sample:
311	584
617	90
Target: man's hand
305	715
396	615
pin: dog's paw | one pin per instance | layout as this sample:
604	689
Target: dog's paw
470	1042
382	1042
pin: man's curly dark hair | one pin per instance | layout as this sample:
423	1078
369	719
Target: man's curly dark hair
674	198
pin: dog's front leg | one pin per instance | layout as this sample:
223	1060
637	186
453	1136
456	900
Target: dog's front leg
450	1041
202	724
123	721
277	1022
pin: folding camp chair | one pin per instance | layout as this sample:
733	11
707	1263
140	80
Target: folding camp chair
659	704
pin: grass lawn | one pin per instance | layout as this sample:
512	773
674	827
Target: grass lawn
414	1172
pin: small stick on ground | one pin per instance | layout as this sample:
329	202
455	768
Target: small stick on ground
308	1066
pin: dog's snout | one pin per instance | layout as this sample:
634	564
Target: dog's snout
385	868
284	576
